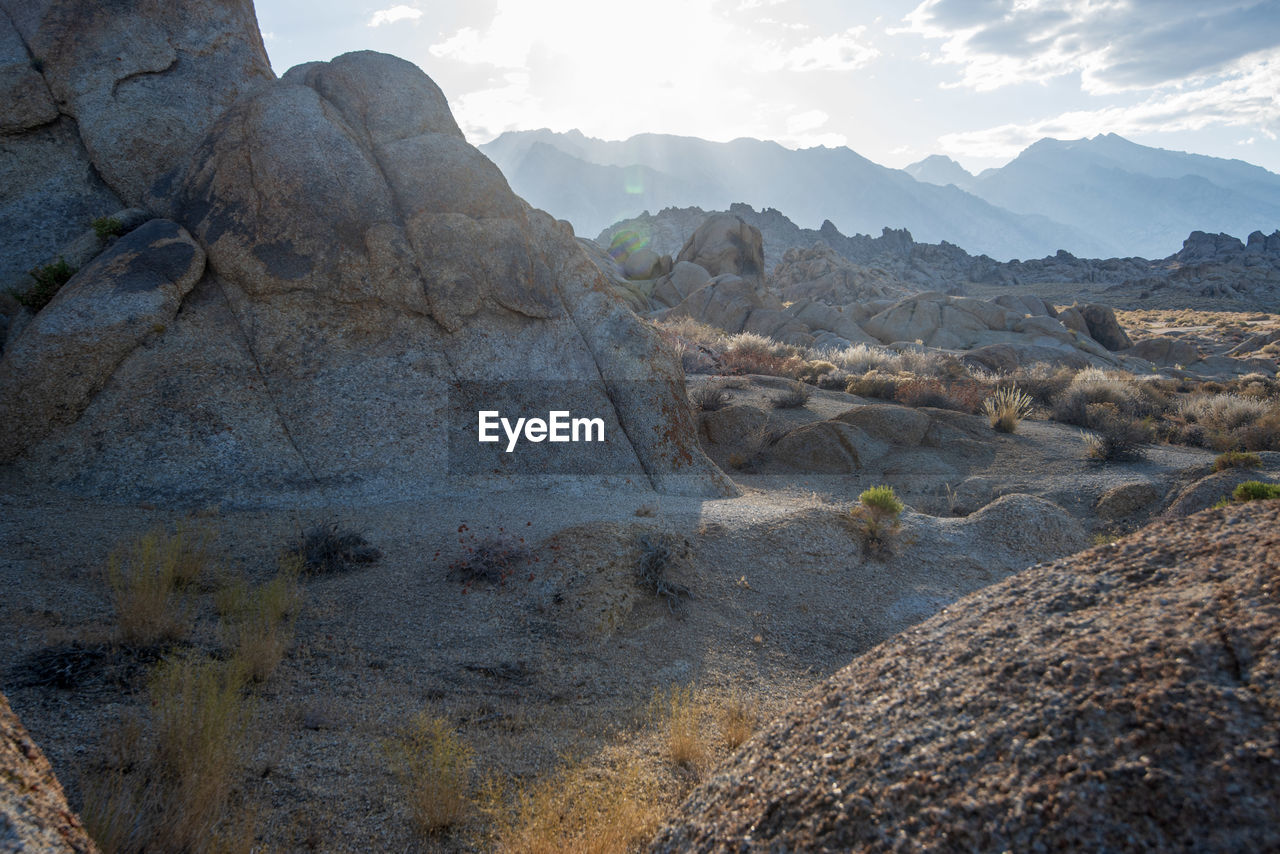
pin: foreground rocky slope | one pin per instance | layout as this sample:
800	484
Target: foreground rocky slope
1122	699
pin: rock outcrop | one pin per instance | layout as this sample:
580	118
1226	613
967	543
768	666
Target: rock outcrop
371	283
725	244
1124	698
34	816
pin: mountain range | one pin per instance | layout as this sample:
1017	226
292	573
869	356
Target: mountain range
1098	197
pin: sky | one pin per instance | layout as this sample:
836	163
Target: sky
977	80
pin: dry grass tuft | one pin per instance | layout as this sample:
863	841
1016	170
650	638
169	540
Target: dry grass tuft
739	716
258	621
678	715
434	765
1006	408
580	809
149	583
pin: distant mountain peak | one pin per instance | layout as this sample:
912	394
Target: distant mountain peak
939	169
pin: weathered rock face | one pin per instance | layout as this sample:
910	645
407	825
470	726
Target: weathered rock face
34	815
98	101
56	364
724	244
821	274
1104	328
372	283
143	81
1122	699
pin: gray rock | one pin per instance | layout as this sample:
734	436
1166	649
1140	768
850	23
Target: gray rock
374	284
53	367
724	244
143	81
1104	328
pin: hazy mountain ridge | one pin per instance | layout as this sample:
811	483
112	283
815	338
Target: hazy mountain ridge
812	185
1133	199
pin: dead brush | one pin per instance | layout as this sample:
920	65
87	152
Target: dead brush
796	396
326	549
492	559
258	621
578	809
678	715
656	554
709	397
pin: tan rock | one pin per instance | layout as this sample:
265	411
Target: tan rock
34	815
725	244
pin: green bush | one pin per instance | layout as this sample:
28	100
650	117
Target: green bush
107	226
876	516
1237	460
49	280
1256	490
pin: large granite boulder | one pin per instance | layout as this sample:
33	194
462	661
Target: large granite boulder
62	358
1104	328
1123	699
372	283
143	81
34	815
725	244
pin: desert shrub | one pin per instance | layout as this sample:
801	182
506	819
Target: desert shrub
862	358
656	554
835	380
1114	436
149	581
577	810
796	396
969	394
258	621
433	765
1261	435
325	549
750	353
493	558
926	391
1006	408
107	226
1093	386
709	397
739	717
812	371
678	715
694	331
49	279
873	384
877	516
1222	412
1044	382
1237	459
1256	490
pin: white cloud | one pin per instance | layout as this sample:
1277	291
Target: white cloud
393	14
1114	45
846	51
1243	96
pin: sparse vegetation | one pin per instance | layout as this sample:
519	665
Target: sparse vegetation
739	717
171	793
678	714
326	549
1114	436
1006	408
107	226
434	766
709	398
491	559
877	516
1256	490
796	396
150	582
258	621
580	809
1236	460
49	279
657	553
